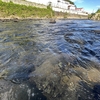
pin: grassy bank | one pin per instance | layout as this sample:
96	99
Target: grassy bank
11	10
95	16
98	11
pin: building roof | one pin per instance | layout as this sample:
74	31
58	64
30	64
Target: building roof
78	8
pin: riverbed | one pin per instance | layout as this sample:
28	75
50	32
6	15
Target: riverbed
45	61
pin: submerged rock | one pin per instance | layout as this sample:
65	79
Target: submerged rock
3	73
96	31
59	82
52	21
20	75
24	91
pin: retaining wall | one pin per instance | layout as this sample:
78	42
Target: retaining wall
27	3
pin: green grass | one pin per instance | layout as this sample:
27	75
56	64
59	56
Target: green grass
11	9
98	11
95	15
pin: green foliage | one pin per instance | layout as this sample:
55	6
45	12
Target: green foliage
9	9
95	16
98	11
48	7
70	2
66	15
91	15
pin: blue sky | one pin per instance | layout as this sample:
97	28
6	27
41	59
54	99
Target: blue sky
88	5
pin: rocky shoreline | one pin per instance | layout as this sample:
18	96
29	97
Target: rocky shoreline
57	16
96	16
22	19
17	19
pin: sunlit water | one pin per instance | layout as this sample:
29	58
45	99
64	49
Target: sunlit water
44	61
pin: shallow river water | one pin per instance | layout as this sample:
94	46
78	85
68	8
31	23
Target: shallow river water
44	61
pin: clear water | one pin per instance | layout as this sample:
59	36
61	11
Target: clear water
44	61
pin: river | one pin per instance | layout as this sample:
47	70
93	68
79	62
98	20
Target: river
44	61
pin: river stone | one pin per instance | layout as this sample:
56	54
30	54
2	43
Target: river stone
96	31
50	78
21	74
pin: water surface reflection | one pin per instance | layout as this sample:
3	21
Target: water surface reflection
43	61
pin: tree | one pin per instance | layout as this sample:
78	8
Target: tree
70	2
49	5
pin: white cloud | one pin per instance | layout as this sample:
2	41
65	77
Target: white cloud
78	1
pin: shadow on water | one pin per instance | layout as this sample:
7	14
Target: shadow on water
88	92
43	61
96	91
27	91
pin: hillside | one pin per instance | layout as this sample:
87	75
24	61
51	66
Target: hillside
96	15
11	10
98	11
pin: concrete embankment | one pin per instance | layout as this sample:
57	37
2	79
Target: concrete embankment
23	2
70	16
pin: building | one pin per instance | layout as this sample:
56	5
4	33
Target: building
71	7
61	6
79	9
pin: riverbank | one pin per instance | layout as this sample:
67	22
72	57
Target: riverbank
56	17
95	16
10	11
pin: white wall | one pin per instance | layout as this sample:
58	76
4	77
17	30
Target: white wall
61	6
54	2
45	2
